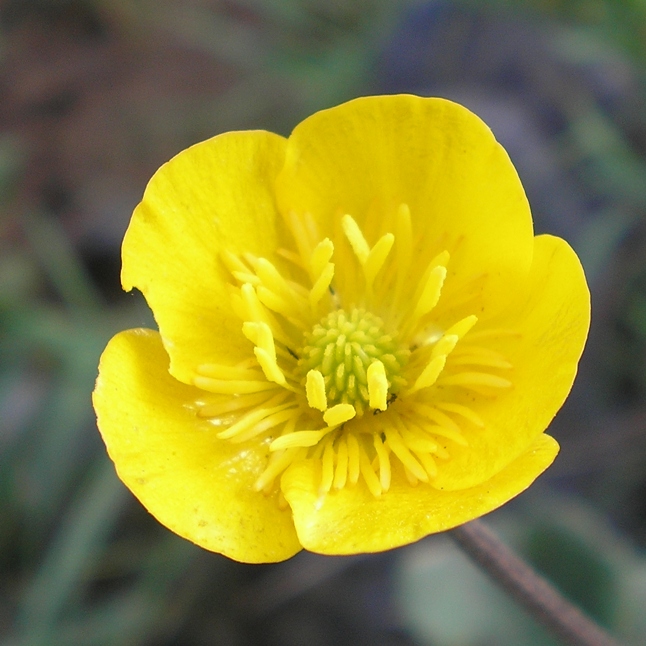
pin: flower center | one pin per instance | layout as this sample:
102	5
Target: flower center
313	354
349	358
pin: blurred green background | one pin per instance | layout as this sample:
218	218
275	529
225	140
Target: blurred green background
94	96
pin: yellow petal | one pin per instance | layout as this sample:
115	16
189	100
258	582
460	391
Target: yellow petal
215	195
552	322
198	486
352	520
367	157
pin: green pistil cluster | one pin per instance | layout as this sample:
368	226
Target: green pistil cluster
342	347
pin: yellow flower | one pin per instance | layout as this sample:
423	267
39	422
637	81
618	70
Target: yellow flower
366	341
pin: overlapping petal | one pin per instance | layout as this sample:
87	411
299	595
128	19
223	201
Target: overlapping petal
198	486
353	520
215	195
368	156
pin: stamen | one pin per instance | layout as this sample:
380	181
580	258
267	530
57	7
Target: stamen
260	335
429	412
377	257
428	463
327	468
339	414
384	462
464	411
232	262
429	375
377	385
405	456
299	439
276	464
322	284
301	236
468	379
315	390
418	442
268	423
220	371
294	258
354	458
436	430
277	303
355	238
462	326
428	293
252	419
231	386
431	293
321	257
232	404
474	360
341	472
369	475
255	311
445	345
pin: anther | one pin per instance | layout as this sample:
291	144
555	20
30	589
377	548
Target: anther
315	390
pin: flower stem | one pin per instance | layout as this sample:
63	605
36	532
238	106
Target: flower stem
530	589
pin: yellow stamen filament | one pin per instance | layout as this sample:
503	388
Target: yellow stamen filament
315	390
341	471
398	447
384	462
431	293
269	366
294	258
231	386
265	350
354	468
297	226
254	311
429	375
280	305
267	424
377	257
220	371
377	385
412	480
277	463
233	263
429	412
475	360
417	441
253	420
246	277
321	257
232	404
467	379
445	345
463	411
355	238
428	463
274	281
322	284
298	439
404	251
437	430
369	474
327	468
339	414
462	326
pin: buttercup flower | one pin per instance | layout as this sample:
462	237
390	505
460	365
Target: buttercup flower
361	342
